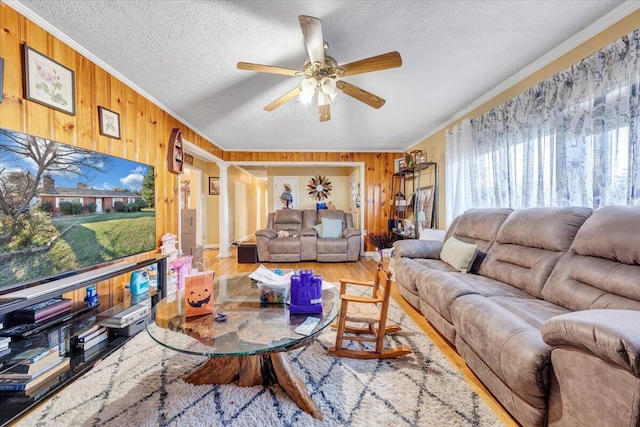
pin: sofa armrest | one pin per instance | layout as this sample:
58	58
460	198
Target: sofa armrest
350	232
269	233
611	335
309	232
429	249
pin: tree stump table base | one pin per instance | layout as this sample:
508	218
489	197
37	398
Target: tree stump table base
260	369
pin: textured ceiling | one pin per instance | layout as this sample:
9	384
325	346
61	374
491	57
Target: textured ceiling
184	54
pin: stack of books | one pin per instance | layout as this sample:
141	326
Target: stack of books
44	310
92	337
4	345
33	367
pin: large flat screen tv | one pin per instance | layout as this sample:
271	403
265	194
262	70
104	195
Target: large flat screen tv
65	209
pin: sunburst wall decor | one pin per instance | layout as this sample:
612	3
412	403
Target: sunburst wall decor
319	187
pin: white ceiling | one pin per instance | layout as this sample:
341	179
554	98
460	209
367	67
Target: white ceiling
183	55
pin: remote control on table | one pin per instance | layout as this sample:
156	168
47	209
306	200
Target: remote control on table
307	326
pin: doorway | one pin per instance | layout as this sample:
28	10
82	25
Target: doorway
191	209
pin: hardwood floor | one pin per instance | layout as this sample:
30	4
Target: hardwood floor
366	268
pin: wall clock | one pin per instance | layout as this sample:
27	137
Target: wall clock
319	187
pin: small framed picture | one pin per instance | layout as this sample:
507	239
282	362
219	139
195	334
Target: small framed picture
214	185
402	164
415	156
48	82
109	123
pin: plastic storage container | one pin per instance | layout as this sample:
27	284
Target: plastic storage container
273	293
306	293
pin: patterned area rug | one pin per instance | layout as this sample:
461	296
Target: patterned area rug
140	385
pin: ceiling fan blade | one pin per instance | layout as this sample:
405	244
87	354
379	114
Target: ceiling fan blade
360	94
283	99
375	63
312	32
267	69
324	112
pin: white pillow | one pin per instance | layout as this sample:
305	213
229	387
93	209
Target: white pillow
331	227
318	228
459	255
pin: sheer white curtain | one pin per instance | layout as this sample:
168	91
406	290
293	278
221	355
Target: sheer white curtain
459	170
573	140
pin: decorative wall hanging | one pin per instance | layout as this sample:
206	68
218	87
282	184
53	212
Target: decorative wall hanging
48	82
319	187
214	185
286	192
175	152
109	123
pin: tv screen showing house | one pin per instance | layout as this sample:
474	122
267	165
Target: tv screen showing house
65	208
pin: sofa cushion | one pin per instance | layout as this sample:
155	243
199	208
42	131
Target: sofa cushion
336	214
331	246
479	227
439	289
530	243
459	255
504	332
602	268
288	220
331	228
407	270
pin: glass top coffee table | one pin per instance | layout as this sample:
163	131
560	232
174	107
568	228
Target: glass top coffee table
250	346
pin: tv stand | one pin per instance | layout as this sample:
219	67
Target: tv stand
14	404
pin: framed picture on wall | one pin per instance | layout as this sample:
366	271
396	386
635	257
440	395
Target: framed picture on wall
285	192
214	185
424	206
109	123
48	82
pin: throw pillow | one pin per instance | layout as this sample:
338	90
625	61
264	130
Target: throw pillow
318	228
331	227
459	255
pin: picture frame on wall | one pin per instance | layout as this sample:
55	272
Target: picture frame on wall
48	82
109	123
285	194
424	204
214	185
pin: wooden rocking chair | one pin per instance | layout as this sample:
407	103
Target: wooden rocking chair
371	311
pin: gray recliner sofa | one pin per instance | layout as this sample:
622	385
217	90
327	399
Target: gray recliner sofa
548	319
304	242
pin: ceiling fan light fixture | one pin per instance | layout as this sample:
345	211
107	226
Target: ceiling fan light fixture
328	85
323	98
309	85
306	96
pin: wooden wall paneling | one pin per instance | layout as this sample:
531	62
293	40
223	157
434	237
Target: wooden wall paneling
128	123
11	108
38	117
102	99
116	103
86	111
64	124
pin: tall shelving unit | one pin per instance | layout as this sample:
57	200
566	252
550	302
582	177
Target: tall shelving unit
405	201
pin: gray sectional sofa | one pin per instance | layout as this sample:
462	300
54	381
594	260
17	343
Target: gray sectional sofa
548	316
304	240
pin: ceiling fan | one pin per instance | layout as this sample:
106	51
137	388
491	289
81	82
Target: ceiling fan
322	74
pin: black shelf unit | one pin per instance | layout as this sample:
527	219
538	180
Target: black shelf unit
406	182
14	404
